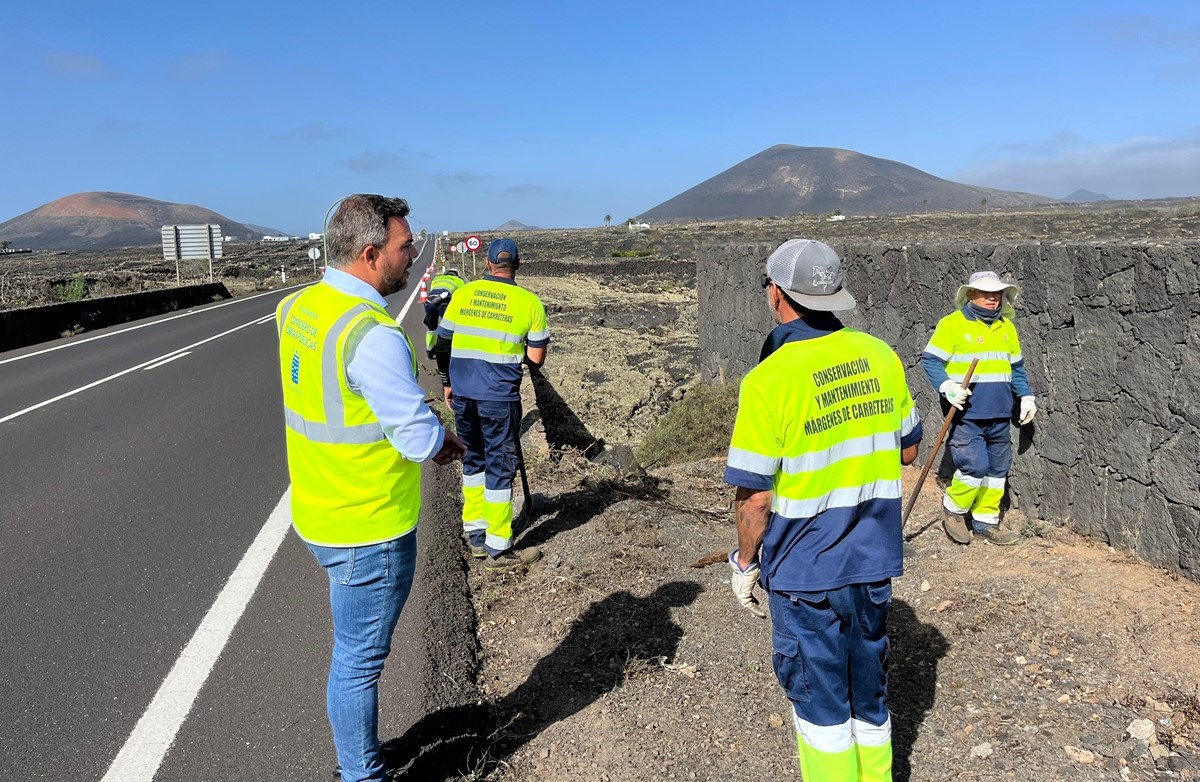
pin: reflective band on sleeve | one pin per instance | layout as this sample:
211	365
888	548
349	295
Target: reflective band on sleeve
910	422
859	446
934	350
1017	358
483	355
535	336
838	498
361	434
752	462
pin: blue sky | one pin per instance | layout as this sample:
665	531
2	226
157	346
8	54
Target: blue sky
557	113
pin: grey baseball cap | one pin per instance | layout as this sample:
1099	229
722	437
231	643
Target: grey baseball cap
811	274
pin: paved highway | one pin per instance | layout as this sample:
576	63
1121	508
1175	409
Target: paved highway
161	622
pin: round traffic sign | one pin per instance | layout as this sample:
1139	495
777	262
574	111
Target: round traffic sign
460	248
314	253
473	243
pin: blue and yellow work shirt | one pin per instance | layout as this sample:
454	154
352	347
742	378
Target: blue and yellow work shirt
821	422
1000	375
490	323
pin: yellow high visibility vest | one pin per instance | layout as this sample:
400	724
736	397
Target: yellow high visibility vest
350	486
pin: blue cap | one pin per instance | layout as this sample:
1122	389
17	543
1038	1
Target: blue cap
503	251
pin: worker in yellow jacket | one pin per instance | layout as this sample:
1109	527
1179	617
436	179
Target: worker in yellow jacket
824	423
980	328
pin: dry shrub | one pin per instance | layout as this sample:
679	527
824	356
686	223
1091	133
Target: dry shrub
696	427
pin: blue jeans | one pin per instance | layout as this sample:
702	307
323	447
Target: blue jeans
367	589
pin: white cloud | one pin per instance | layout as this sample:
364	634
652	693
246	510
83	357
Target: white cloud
525	190
371	162
459	178
74	64
196	66
312	134
1142	167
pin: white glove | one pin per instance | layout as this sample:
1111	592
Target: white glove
955	394
1028	409
743	583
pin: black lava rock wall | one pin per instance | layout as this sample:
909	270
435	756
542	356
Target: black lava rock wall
1111	338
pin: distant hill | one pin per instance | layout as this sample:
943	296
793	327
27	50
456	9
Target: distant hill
514	225
104	221
1085	197
786	180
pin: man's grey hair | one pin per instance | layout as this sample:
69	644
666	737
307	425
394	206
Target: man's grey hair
360	221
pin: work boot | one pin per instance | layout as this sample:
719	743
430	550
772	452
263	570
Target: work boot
996	536
956	527
512	559
477	550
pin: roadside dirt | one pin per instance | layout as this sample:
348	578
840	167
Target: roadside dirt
621	656
617	657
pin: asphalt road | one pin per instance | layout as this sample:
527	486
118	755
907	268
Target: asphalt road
143	513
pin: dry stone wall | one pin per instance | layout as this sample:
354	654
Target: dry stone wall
1111	338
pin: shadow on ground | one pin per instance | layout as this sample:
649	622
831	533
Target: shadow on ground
917	648
606	644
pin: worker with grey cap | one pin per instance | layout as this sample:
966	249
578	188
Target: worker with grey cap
980	328
824	423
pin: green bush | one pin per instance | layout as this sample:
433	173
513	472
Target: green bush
74	290
630	253
696	427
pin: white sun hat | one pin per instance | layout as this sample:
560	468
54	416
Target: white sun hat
989	281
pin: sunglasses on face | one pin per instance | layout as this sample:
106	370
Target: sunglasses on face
764	281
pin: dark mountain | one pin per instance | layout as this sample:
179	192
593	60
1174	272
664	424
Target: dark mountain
103	221
786	180
514	225
1085	197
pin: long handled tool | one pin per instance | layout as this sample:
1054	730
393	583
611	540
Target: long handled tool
937	445
529	509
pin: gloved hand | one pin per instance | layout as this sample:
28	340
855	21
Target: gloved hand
1028	409
955	394
743	582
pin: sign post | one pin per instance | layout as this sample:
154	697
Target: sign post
314	253
473	244
461	249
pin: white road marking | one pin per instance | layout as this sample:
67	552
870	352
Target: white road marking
147	746
167	360
134	368
144	750
85	340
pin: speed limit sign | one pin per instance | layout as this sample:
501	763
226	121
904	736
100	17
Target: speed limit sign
473	243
